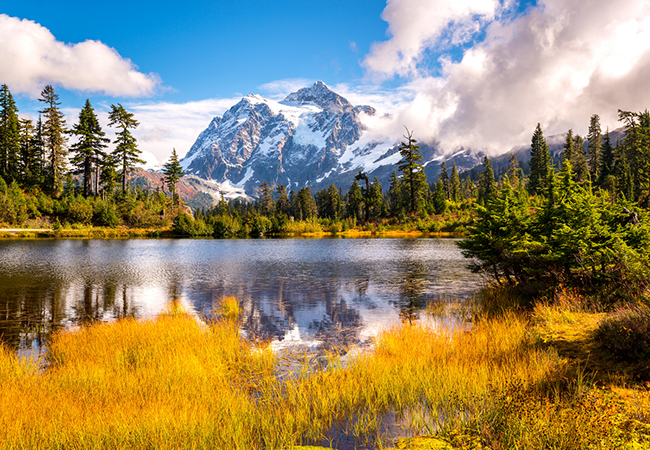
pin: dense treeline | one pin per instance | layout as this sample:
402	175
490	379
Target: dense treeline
47	181
582	224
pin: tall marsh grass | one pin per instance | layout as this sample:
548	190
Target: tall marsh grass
175	382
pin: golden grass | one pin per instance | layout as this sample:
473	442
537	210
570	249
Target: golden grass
175	382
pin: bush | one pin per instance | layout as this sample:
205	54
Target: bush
626	334
185	225
80	211
105	214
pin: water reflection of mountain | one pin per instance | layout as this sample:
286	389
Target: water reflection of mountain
331	291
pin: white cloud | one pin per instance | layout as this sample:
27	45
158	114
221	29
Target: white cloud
32	57
415	25
164	126
558	64
279	89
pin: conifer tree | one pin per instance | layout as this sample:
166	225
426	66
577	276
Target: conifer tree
414	180
266	198
395	195
486	184
376	199
305	206
606	160
282	200
173	172
579	162
442	176
594	144
514	171
454	185
567	150
333	208
354	200
637	150
9	136
54	136
126	152
88	150
540	164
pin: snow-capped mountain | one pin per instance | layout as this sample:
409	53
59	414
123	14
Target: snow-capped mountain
313	137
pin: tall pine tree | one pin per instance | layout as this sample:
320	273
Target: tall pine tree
88	150
173	172
415	181
540	164
9	136
126	152
54	137
594	144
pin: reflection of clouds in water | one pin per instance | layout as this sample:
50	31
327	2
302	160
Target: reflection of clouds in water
336	291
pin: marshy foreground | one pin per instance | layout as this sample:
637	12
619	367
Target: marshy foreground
529	380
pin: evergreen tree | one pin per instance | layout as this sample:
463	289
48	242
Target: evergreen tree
540	165
306	207
365	190
354	200
440	197
454	185
53	136
173	172
333	208
376	199
637	150
579	162
594	144
88	150
607	159
126	152
415	181
9	136
282	200
514	172
442	176
486	183
266	198
567	150
395	195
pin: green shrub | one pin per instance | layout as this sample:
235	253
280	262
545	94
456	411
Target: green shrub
105	214
80	211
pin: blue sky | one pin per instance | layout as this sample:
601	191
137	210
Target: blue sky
467	73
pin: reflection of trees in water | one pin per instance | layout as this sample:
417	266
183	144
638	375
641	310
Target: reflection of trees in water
31	310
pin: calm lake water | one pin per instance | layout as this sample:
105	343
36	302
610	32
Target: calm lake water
314	292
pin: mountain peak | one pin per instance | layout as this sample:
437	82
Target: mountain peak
320	95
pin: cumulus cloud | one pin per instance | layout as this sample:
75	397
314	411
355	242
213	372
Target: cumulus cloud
164	125
32	57
557	65
415	25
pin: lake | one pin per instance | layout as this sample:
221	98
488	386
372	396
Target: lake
308	292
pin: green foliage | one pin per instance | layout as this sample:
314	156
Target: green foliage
173	173
576	237
185	225
80	210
